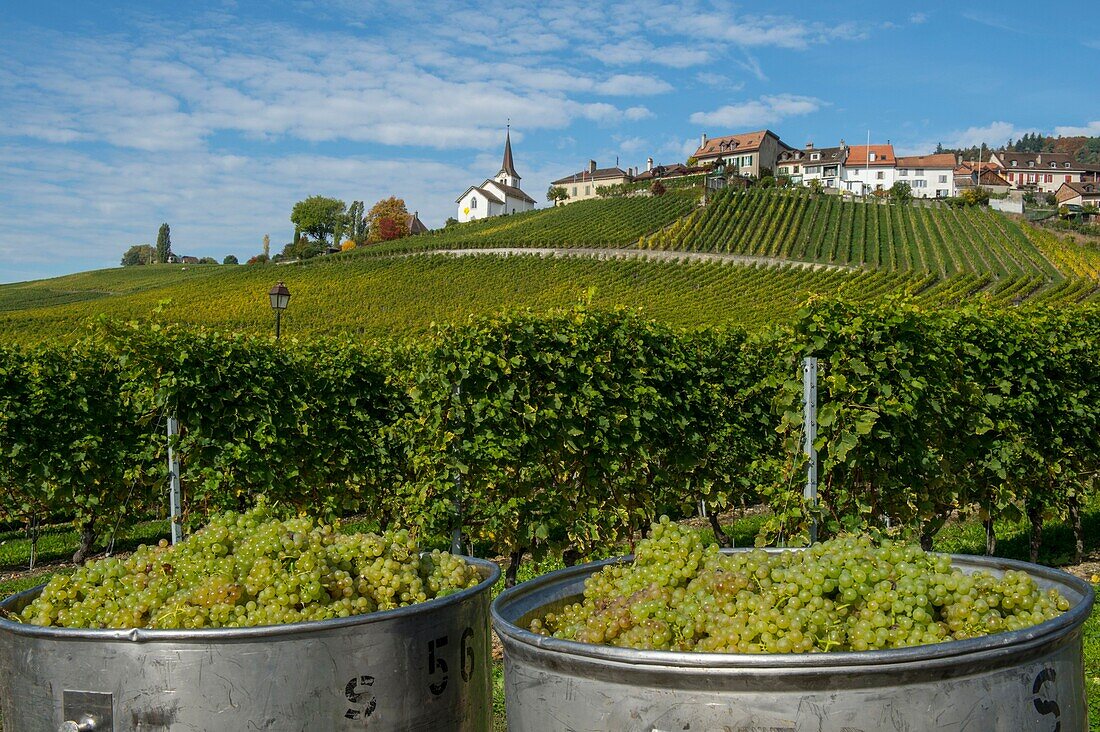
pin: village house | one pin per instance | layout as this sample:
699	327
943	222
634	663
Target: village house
585	183
1085	193
1044	172
749	152
496	196
812	163
929	176
966	176
667	172
416	226
869	168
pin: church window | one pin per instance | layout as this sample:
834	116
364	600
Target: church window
473	202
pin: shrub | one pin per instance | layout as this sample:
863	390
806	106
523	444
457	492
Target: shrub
657	189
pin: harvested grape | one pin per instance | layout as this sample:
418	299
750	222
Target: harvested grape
251	569
845	594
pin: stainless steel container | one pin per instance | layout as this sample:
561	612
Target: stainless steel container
1025	680
422	667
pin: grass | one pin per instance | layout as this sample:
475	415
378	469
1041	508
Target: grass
961	537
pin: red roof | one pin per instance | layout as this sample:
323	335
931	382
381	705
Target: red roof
744	142
938	160
857	156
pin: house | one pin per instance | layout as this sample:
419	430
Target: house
1085	193
748	152
584	184
1038	171
416	226
189	260
966	176
869	168
667	172
929	176
812	163
496	196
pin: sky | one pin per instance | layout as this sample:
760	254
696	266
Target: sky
217	117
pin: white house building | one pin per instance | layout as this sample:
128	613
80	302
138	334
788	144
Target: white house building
497	196
929	176
869	168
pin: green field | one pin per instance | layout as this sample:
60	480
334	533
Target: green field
610	222
936	254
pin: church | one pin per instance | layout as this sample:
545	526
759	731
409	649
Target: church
497	196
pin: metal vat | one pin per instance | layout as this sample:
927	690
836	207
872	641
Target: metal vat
422	667
1025	680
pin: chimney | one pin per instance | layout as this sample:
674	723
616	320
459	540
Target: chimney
591	167
842	145
703	140
649	162
810	145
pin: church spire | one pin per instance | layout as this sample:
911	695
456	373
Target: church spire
508	167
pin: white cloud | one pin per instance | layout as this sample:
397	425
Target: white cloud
1092	129
719	81
918	18
632	85
995	134
636	113
760	112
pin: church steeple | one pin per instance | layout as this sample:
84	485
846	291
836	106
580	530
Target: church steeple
508	174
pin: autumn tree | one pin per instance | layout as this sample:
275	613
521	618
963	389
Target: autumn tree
267	246
391	208
386	229
318	217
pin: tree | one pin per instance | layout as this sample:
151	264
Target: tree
657	189
386	229
138	254
318	216
303	249
767	181
816	187
267	246
556	193
164	243
259	259
358	227
451	221
901	192
692	161
230	259
391	208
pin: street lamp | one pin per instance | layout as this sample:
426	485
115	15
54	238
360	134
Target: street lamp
280	298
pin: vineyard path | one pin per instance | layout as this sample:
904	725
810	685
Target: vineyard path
661	254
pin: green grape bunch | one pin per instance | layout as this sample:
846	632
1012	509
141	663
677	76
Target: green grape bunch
248	569
845	594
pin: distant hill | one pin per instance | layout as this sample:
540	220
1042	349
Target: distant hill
769	252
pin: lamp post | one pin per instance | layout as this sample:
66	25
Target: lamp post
280	298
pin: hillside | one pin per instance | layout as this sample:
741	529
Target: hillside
610	222
769	252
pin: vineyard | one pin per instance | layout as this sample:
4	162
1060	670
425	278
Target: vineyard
571	429
610	222
983	248
377	297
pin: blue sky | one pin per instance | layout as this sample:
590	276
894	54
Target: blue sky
217	117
